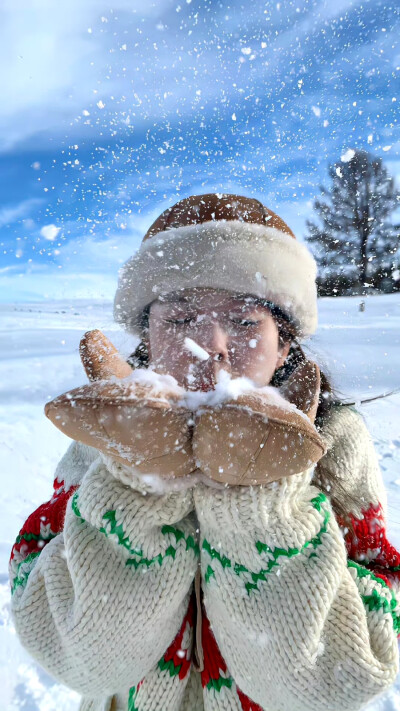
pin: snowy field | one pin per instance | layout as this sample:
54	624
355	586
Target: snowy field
39	359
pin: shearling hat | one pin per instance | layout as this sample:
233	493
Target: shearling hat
226	242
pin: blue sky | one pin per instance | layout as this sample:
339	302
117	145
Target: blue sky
112	112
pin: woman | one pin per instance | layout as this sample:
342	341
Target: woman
103	598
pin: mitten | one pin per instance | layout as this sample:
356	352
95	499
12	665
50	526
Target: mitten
257	435
132	418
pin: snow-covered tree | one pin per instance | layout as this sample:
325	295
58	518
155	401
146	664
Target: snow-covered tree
353	239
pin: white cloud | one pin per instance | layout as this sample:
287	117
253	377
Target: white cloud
63	78
12	213
10	269
54	63
85	267
45	283
104	255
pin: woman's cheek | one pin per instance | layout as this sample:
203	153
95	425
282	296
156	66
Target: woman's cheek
244	357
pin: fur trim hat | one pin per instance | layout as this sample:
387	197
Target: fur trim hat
226	242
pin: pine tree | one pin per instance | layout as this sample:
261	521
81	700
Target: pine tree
355	238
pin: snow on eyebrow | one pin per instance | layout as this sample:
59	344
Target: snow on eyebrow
195	349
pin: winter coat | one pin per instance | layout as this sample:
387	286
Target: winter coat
300	607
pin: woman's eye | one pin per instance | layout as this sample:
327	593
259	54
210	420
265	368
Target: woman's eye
190	320
179	321
245	322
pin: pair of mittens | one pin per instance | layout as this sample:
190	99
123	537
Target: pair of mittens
141	419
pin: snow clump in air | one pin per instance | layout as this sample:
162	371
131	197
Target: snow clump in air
50	232
347	156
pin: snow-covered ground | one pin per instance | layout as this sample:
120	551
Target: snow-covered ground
39	359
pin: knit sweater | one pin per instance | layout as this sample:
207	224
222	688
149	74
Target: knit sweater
300	610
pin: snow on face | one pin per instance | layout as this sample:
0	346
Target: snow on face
194	348
196	333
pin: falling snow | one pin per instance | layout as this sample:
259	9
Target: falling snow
109	115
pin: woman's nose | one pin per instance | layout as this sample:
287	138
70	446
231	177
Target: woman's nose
214	339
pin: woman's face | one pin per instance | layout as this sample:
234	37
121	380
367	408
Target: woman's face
239	336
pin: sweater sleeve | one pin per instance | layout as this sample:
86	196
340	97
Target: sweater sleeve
101	578
350	475
301	627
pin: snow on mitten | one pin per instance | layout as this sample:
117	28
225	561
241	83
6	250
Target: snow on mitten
261	434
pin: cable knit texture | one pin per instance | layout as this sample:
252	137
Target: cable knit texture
350	465
350	476
300	605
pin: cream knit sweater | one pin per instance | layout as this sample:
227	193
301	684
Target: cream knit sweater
103	598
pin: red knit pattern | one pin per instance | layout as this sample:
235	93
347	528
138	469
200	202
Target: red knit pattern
214	663
51	513
368	544
172	652
247	704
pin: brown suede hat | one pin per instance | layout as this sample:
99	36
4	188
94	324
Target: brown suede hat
220	241
197	209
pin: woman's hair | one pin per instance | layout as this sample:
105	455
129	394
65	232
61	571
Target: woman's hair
140	356
328	398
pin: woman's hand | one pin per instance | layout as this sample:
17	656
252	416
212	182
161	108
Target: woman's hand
259	435
132	417
145	420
